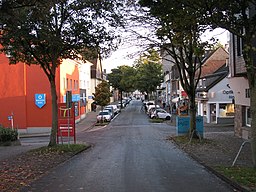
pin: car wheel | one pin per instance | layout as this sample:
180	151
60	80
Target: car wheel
168	118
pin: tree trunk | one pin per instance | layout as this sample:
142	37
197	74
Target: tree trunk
192	113
253	123
248	57
54	114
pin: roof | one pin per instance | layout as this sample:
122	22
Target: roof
214	69
211	66
212	79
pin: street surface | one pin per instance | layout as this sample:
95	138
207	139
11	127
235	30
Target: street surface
130	155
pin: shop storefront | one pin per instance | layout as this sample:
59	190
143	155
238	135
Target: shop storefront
217	105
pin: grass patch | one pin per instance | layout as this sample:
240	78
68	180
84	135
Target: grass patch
65	148
156	120
184	139
245	176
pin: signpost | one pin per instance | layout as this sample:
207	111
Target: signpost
10	118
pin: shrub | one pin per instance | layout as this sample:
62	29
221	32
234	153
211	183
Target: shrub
7	134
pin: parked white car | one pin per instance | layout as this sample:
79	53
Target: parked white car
111	111
115	108
161	114
104	116
150	107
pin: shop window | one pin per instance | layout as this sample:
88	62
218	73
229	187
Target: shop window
222	110
248	118
230	109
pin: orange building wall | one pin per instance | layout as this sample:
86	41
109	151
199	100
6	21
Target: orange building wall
19	85
38	83
12	96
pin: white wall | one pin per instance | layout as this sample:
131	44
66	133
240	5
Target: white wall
85	80
221	92
239	84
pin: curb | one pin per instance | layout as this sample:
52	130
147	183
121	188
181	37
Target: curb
34	135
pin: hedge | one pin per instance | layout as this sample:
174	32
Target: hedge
7	134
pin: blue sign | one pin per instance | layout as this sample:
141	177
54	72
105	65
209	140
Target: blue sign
75	98
183	125
40	100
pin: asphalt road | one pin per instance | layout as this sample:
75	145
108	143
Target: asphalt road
130	155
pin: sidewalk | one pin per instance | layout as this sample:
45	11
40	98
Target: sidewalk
11	151
88	122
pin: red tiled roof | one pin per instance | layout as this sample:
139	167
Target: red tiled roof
211	66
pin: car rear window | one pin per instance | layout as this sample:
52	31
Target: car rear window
103	113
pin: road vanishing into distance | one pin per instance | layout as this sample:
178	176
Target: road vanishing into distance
130	155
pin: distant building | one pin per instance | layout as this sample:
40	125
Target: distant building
85	87
172	91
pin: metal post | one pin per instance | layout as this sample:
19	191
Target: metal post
239	152
68	128
12	121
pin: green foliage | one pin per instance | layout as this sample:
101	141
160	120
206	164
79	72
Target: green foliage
149	72
122	78
102	94
7	134
179	29
47	31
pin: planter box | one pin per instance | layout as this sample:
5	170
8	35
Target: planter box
183	125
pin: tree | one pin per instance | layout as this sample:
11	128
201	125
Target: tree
179	30
149	72
102	94
45	32
122	79
238	17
